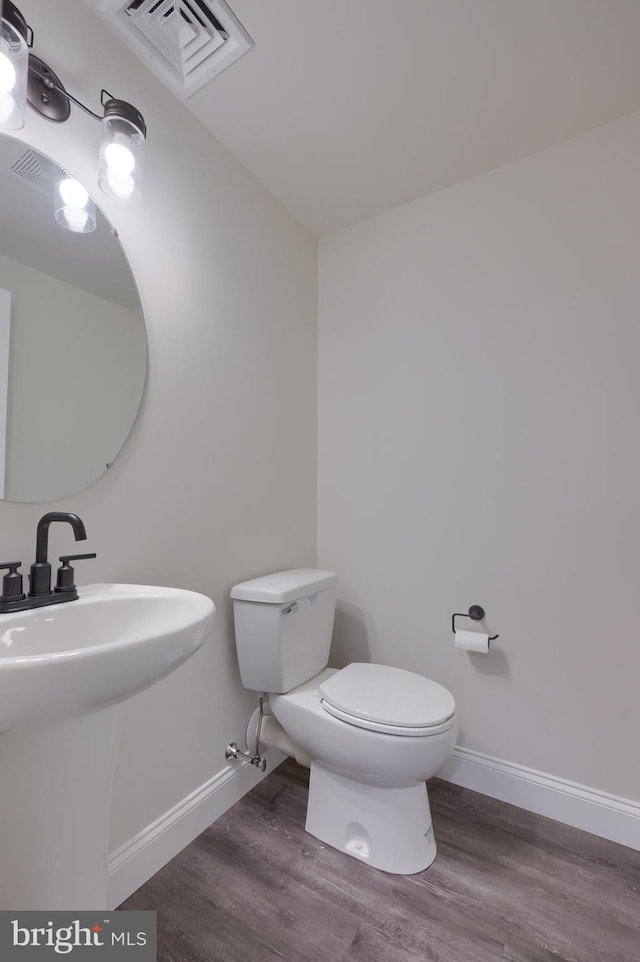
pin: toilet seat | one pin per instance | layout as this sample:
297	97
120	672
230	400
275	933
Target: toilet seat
389	700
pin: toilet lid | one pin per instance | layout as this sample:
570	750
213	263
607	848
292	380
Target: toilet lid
387	696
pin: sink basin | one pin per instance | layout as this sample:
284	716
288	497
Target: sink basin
76	658
65	672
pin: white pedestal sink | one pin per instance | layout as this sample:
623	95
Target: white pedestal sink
64	672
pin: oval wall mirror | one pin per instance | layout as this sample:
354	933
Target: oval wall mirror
73	350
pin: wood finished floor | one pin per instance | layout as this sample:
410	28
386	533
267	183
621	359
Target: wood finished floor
507	886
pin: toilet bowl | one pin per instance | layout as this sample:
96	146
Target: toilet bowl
371	734
367	792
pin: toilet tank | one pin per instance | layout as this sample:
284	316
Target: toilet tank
283	625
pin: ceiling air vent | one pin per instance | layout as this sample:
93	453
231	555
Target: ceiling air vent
39	171
187	42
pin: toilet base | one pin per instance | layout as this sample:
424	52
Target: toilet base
388	828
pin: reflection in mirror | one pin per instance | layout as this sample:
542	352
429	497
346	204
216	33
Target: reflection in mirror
72	337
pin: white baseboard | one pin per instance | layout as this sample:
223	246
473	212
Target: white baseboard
137	860
608	816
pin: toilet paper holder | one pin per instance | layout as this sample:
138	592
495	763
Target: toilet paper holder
476	613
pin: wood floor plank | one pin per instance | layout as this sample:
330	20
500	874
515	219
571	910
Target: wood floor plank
371	945
507	886
544	892
518	949
600	852
244	910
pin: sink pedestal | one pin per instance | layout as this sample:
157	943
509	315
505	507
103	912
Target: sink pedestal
55	789
65	672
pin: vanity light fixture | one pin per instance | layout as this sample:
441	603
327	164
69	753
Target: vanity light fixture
24	78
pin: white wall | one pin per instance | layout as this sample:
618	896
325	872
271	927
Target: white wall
205	493
71	354
5	331
478	444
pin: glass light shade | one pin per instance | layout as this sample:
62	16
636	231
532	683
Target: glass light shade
74	208
14	67
121	152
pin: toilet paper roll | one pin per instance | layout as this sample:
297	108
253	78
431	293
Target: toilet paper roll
472	641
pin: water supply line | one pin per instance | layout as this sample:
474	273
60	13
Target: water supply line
260	720
269	733
255	758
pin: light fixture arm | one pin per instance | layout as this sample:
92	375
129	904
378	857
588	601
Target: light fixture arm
40	75
48	96
78	103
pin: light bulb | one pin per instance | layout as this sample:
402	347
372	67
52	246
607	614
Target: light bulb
77	210
76	218
7	74
120	160
121	187
73	193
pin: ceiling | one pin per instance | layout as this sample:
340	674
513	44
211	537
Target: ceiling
347	108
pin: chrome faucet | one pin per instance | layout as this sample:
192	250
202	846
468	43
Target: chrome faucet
40	593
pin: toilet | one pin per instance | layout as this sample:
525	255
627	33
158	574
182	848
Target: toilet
370	734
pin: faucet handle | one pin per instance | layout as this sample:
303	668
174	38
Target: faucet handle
12	582
65	577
